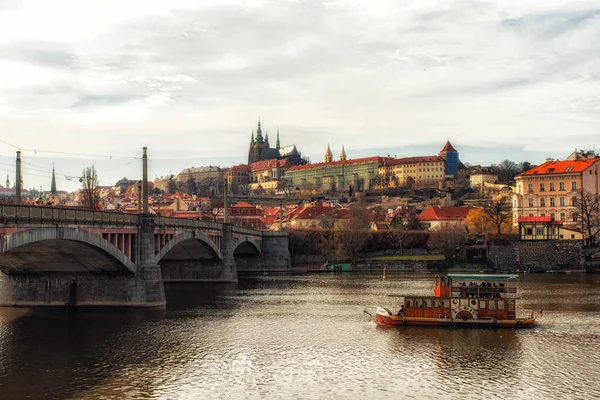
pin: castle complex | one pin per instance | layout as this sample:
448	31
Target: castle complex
261	150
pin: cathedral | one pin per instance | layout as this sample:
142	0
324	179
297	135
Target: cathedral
261	150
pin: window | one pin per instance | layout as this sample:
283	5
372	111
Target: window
569	169
575	217
553	216
573	185
561	201
418	302
539	231
563	217
446	303
552	201
573	201
427	303
552	186
464	302
409	302
436	303
492	305
500	304
561	186
481	304
531	203
542	187
529	231
572	236
530	187
542	202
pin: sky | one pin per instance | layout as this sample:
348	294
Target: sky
92	82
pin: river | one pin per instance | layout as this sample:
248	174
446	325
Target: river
303	337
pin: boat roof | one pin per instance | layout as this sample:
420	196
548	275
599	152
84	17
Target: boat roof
486	277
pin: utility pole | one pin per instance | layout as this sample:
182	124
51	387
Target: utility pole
18	180
139	196
280	215
225	206
145	184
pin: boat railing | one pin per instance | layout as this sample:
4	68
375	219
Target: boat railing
478	291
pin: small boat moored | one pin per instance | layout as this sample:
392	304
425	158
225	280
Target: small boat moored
461	300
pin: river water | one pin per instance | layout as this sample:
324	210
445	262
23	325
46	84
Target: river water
303	337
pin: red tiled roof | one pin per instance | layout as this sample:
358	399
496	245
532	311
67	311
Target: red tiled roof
448	147
412	160
318	212
561	167
241	168
377	159
242	204
546	219
264	165
438	213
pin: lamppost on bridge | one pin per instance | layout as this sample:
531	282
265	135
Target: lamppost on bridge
18	183
225	205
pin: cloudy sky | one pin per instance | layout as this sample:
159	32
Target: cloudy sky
92	82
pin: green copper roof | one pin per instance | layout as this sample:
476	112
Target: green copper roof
484	277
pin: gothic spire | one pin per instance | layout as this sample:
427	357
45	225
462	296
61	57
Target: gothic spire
259	137
53	183
7	181
343	154
252	139
267	139
277	144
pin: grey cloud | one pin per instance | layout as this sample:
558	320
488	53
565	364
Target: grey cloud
99	100
551	25
41	53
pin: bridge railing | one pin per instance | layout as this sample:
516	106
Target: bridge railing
38	214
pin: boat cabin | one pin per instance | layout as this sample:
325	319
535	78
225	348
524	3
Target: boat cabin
467	297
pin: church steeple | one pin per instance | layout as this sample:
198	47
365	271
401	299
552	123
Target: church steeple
328	155
277	145
7	181
252	139
343	154
259	138
53	184
267	139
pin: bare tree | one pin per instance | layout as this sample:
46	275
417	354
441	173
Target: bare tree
588	205
507	170
447	241
498	213
89	187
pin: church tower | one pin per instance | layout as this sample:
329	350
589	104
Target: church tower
343	154
53	183
328	155
7	181
277	144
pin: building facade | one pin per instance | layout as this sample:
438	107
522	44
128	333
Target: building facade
450	156
426	170
552	189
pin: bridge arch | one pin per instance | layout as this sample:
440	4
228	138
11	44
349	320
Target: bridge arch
243	242
188	235
44	239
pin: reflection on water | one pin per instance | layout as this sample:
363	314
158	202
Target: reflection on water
302	337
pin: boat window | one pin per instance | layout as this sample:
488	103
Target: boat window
446	303
511	305
418	302
428	303
464	302
481	303
409	302
500	304
492	304
436	303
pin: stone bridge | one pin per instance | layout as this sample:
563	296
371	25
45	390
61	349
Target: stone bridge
52	256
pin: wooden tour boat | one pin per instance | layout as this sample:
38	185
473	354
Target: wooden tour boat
469	300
